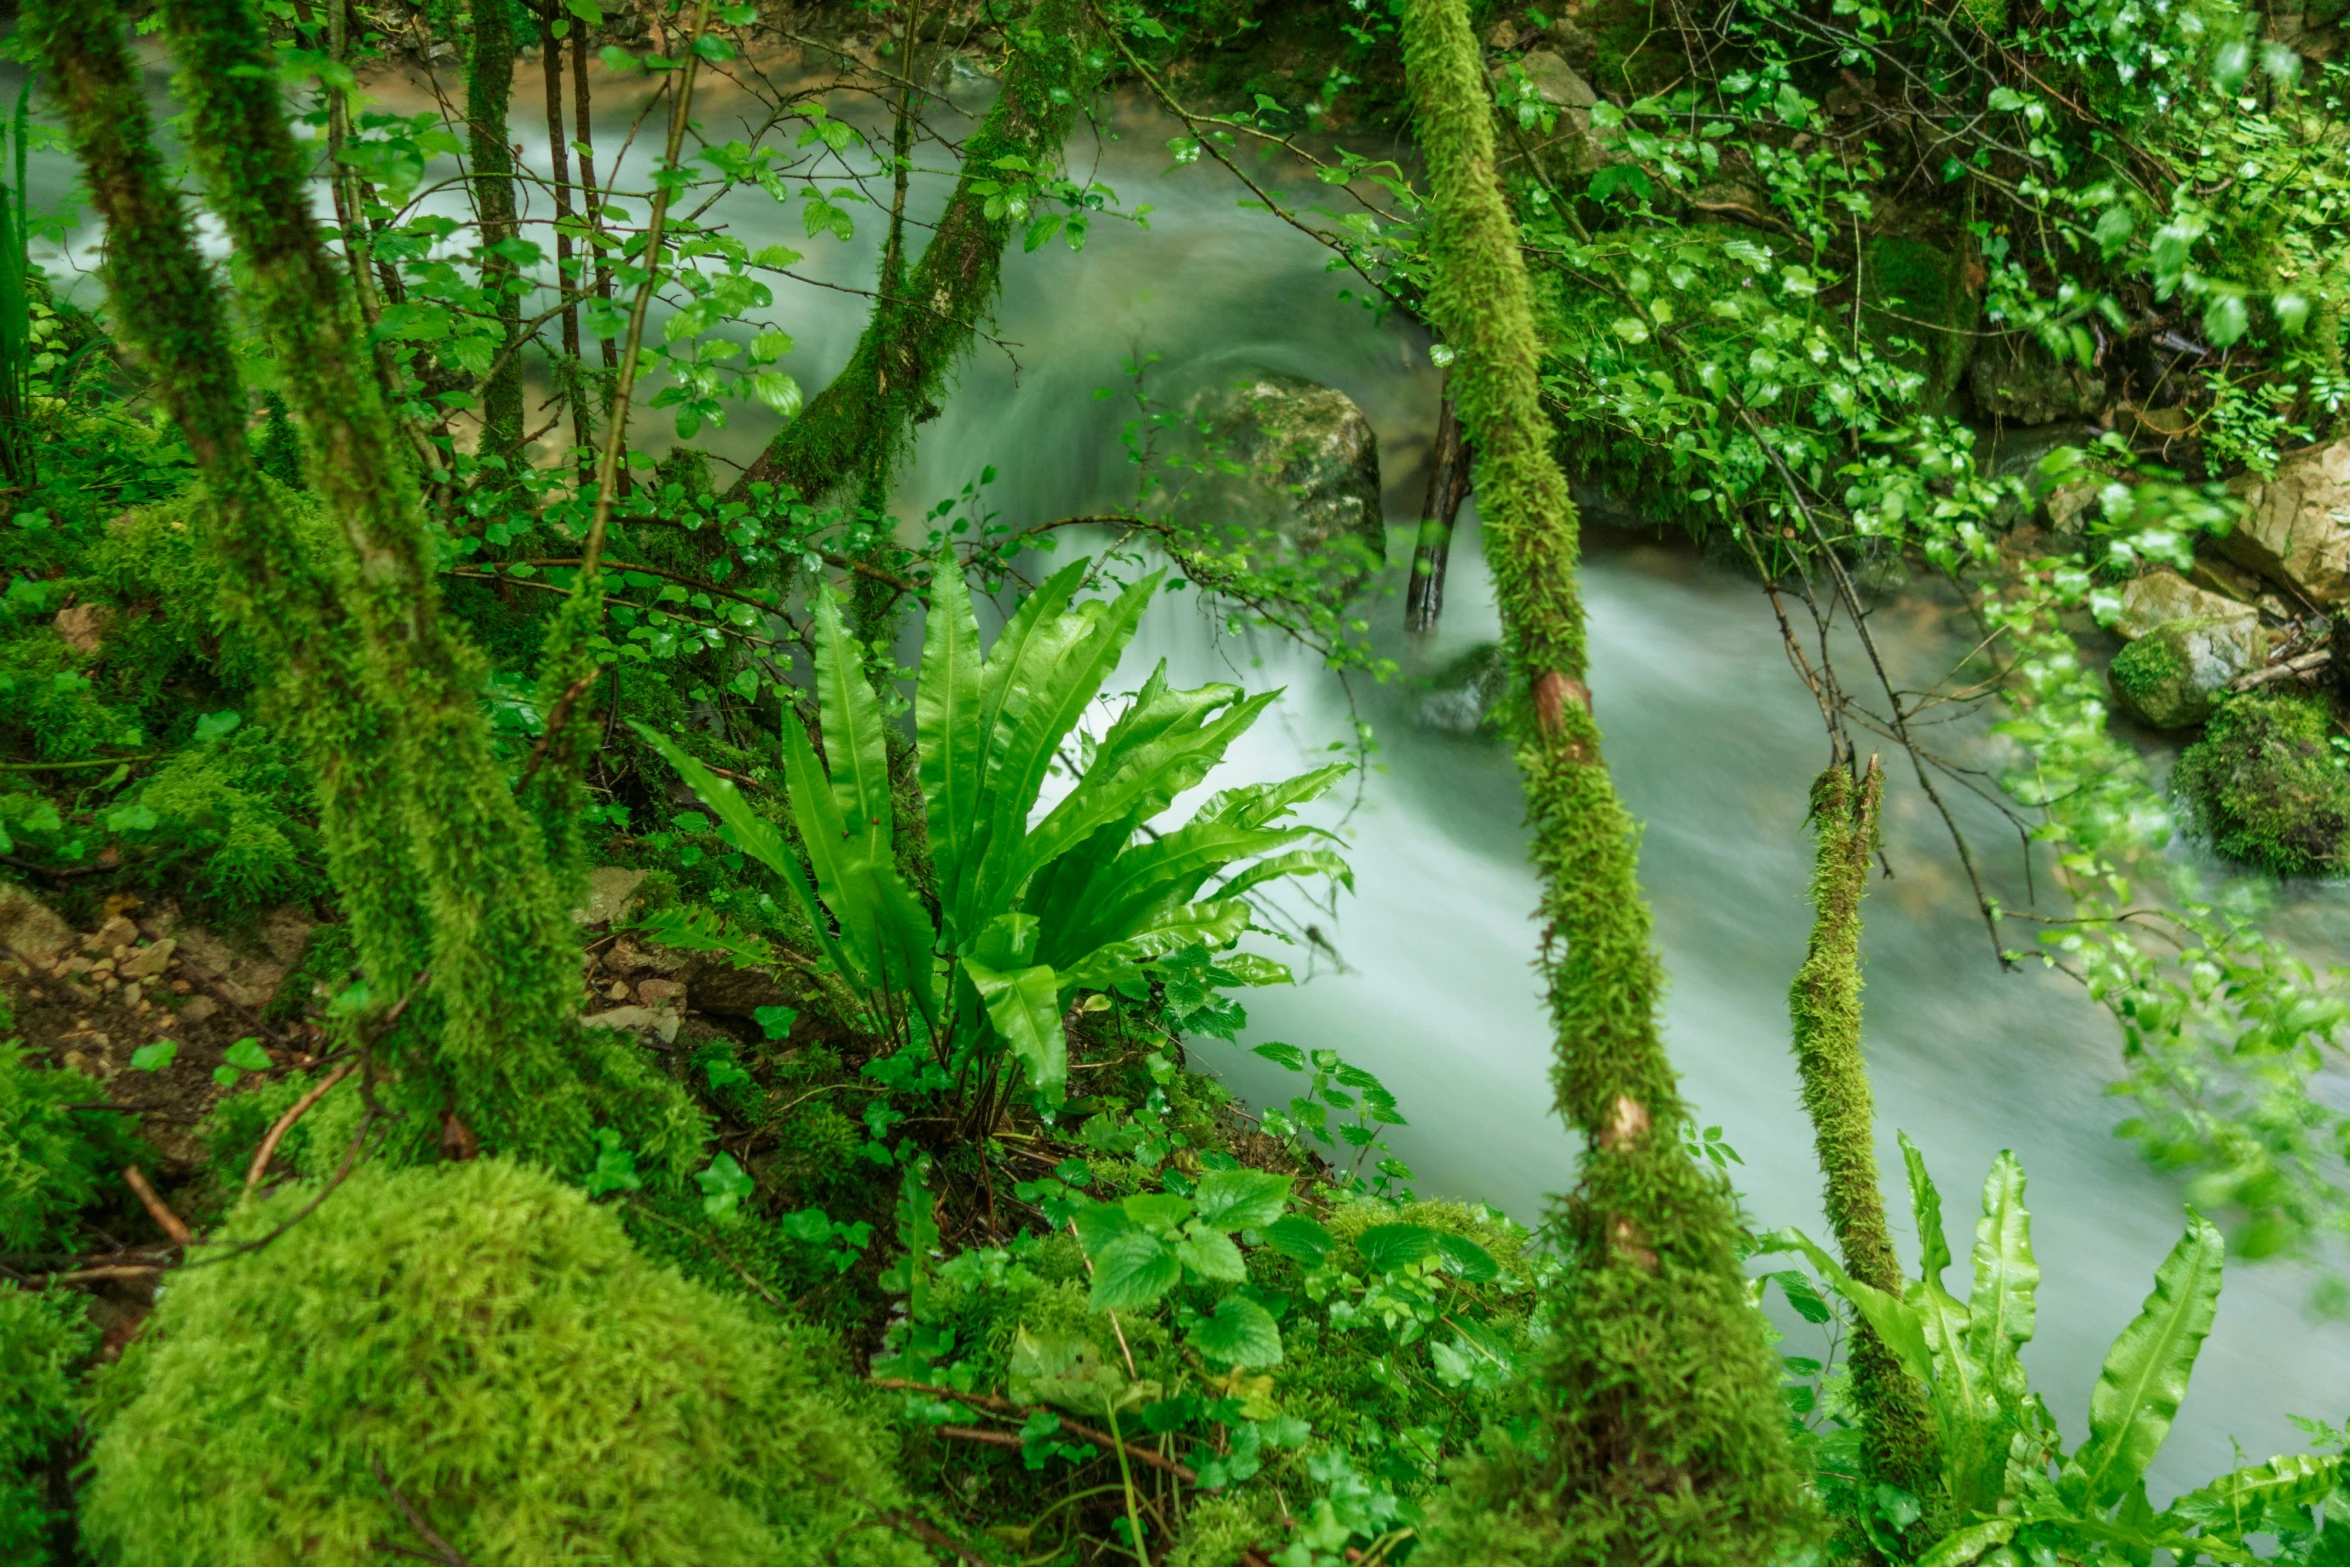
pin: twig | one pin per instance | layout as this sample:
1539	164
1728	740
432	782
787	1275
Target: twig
285	1123
555	722
63	767
2304	666
173	1225
1004	1406
447	1552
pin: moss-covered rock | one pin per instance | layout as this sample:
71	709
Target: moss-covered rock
1290	466
2267	785
2170	677
475	1350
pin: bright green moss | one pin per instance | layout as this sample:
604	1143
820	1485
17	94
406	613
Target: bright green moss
52	1158
2267	785
481	1341
42	1338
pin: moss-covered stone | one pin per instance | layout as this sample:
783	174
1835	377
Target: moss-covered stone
2267	786
2170	677
476	1350
1308	492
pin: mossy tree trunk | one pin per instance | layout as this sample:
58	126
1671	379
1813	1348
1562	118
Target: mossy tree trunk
489	87
854	428
1825	1004
392	720
1662	1436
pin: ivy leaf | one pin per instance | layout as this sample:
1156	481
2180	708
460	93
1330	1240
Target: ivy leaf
724	1186
1241	1199
1241	1333
615	1169
248	1054
774	1022
216	726
1132	1270
155	1057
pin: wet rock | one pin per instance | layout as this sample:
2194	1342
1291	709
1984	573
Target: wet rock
661	992
249	980
116	932
1309	479
2017	381
1466	693
609	889
2162	595
1581	149
661	1021
29	930
718	987
2264	785
2172	676
83	626
1573	44
2296	525
147	962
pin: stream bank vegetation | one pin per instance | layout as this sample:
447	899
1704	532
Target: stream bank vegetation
530	1035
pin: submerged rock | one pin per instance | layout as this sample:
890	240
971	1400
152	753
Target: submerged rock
1466	694
1292	463
2296	525
2019	382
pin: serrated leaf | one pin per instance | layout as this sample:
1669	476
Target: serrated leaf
1466	1258
1388	1247
1241	1199
1241	1333
1210	1255
1300	1239
1132	1270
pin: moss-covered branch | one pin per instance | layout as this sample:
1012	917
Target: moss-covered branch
1825	1003
917	333
1662	1437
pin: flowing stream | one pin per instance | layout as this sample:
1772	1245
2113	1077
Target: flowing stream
1712	741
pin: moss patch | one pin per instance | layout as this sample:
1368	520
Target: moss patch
483	1342
2268	787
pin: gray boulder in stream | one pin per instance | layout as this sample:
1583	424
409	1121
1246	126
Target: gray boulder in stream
1462	697
1290	465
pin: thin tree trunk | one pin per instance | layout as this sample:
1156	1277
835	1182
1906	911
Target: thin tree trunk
1448	486
854	427
1661	1434
591	195
503	955
168	307
551	67
489	84
1825	1004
